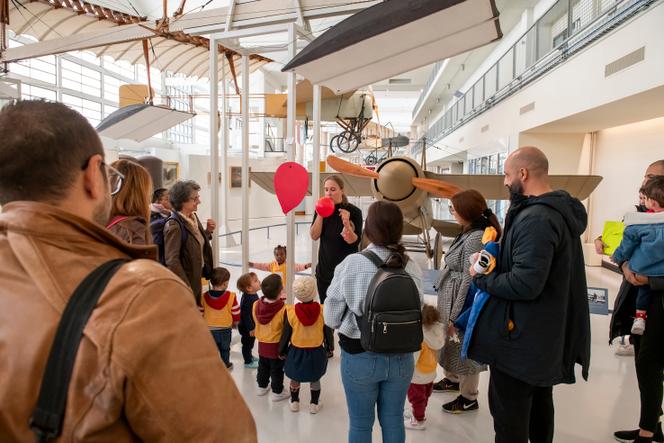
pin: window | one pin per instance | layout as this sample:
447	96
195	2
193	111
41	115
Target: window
34	92
80	78
90	110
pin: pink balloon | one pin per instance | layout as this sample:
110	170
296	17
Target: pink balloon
291	183
325	207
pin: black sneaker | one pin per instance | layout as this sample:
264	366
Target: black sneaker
460	405
630	436
446	385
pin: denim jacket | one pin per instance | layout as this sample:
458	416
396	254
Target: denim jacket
643	243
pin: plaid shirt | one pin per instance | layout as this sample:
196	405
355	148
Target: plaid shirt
349	289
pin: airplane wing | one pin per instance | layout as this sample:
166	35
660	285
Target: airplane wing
446	228
354	186
492	187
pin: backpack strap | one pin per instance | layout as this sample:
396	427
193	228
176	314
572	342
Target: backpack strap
183	229
117	219
375	259
46	420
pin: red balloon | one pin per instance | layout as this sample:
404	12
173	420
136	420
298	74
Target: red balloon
291	183
325	207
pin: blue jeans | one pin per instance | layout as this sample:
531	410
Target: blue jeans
222	337
372	380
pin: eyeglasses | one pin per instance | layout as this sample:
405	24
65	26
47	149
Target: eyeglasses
115	177
196	197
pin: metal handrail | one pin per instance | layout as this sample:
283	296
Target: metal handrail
297	230
576	41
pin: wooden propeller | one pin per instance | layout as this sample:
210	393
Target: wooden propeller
350	168
436	187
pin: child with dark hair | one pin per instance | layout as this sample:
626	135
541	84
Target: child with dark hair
249	285
643	246
268	314
221	312
426	360
278	265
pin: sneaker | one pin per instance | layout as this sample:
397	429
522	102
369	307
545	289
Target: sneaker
229	366
252	365
294	406
446	385
283	395
460	405
413	423
314	408
262	391
630	436
639	326
625	349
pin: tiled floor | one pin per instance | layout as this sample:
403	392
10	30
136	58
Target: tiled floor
585	412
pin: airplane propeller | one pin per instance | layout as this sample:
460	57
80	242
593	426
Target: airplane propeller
434	187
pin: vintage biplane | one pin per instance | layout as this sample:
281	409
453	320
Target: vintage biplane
401	180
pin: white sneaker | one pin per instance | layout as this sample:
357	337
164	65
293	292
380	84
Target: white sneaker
315	408
639	326
262	391
413	423
283	395
295	406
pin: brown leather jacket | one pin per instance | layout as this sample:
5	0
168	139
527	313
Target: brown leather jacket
147	367
186	260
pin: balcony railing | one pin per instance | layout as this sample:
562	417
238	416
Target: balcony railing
566	28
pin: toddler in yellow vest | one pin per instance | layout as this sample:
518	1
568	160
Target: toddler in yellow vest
221	311
268	313
426	360
278	266
302	344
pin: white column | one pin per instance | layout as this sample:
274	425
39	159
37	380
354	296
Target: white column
214	146
315	168
225	171
290	151
245	163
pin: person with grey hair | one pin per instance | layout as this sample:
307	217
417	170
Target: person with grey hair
188	254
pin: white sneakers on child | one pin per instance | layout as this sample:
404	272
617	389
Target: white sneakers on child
314	408
639	326
262	391
283	395
295	406
413	423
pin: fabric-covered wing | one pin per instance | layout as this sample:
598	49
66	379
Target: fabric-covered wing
354	186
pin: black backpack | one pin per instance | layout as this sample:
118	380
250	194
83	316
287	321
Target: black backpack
392	320
157	229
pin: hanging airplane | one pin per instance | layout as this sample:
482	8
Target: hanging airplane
401	180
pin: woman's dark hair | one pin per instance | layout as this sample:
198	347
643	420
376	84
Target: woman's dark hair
430	315
471	206
220	276
340	182
383	227
181	191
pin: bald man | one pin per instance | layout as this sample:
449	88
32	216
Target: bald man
648	348
535	325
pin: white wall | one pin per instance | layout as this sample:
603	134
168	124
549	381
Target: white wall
564	151
622	155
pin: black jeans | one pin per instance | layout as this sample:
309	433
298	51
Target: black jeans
271	368
328	333
649	361
247	347
520	411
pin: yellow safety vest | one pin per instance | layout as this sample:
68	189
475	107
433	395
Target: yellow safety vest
219	318
305	336
271	332
276	268
426	363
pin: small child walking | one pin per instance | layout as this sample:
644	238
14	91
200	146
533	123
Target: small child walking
268	314
426	360
643	246
221	312
278	265
302	344
249	285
